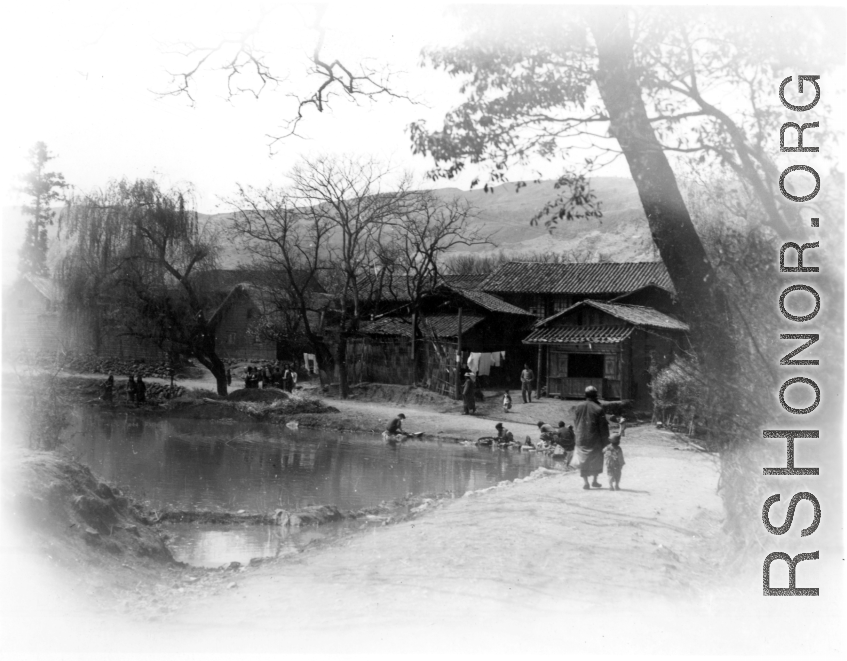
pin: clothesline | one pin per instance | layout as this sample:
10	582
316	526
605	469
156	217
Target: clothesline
481	363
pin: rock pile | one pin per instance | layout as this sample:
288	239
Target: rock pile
94	364
155	391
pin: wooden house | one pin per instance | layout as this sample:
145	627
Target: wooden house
454	323
610	346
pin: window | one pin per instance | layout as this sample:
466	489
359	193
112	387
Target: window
586	365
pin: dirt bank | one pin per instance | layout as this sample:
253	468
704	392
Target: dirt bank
507	564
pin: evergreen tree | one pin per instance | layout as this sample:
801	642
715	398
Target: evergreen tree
43	189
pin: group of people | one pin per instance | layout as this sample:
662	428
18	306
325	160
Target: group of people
587	444
280	376
470	386
136	389
595	445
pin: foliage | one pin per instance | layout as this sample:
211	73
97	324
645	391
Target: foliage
138	260
706	76
677	392
44	189
344	224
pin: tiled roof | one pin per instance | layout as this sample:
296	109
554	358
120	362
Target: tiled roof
442	325
637	315
490	302
600	278
467	281
574	334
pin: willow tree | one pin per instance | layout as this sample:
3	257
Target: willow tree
138	256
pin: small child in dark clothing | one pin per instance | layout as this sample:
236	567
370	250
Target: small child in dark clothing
614	461
507	402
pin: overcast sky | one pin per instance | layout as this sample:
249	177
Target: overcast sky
83	77
89	75
86	78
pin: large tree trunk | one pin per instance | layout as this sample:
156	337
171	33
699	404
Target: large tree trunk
670	223
207	355
682	252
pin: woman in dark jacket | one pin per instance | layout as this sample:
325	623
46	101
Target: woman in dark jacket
469	394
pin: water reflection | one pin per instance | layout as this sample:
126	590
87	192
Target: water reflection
190	464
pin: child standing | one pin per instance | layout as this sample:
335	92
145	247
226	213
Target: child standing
507	402
614	458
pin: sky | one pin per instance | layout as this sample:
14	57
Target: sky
88	76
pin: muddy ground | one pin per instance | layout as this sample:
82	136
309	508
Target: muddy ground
538	566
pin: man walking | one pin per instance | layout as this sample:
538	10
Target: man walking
527	377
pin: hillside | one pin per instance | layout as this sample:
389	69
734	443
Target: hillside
621	235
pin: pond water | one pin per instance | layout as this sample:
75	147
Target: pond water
200	464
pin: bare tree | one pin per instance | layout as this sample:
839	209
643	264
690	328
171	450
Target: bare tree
358	202
290	247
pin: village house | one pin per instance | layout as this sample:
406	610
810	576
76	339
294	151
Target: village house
609	345
455	323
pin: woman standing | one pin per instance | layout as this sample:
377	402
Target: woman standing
469	394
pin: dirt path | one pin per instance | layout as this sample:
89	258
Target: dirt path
500	569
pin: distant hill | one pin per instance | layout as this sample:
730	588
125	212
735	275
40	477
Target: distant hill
621	235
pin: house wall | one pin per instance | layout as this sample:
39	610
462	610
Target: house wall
232	339
380	359
608	381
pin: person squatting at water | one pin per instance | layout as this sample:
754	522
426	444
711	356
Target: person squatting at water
469	394
614	456
504	436
548	435
394	431
565	440
592	433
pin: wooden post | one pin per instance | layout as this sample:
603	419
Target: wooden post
538	373
459	359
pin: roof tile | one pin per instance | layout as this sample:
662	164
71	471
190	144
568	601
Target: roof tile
595	278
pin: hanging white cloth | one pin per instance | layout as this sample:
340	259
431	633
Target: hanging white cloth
473	362
485	364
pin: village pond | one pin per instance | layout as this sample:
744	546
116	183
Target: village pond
184	464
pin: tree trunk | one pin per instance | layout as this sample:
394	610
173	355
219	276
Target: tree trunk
208	357
670	223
